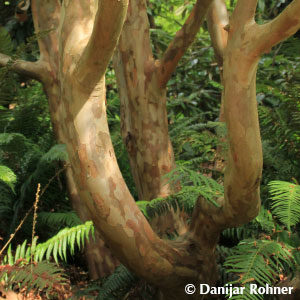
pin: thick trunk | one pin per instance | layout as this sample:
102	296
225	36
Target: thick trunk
144	128
81	111
142	87
100	261
144	120
99	258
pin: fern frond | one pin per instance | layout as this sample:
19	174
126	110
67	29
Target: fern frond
6	45
59	219
38	276
161	206
259	260
286	202
265	220
65	239
206	186
8	176
57	246
237	233
122	278
247	295
56	153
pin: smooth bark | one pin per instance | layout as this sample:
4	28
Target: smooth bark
190	258
142	87
46	70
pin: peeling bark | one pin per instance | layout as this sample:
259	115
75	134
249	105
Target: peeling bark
142	86
46	16
81	111
217	20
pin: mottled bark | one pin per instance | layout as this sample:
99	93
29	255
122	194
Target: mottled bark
217	20
142	86
169	265
99	258
46	70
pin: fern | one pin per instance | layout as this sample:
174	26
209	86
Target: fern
61	219
192	181
286	202
8	176
238	233
44	169
38	276
6	46
265	220
160	206
7	195
260	261
122	278
56	153
6	201
56	246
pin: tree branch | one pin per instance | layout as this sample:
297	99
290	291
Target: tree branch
244	12
279	29
109	21
182	40
217	19
46	22
34	70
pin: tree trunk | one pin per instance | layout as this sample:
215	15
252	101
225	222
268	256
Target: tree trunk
99	259
142	87
89	32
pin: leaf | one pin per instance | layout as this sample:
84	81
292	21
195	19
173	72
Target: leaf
258	259
6	46
8	176
286	202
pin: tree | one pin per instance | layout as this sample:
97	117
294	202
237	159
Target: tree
87	34
46	70
142	84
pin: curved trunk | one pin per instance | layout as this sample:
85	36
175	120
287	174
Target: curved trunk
142	84
99	259
81	111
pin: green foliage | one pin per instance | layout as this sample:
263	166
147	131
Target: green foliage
6	44
59	219
42	276
56	153
8	177
260	261
196	142
194	89
195	184
57	246
278	92
30	116
271	250
286	202
121	279
18	153
262	223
